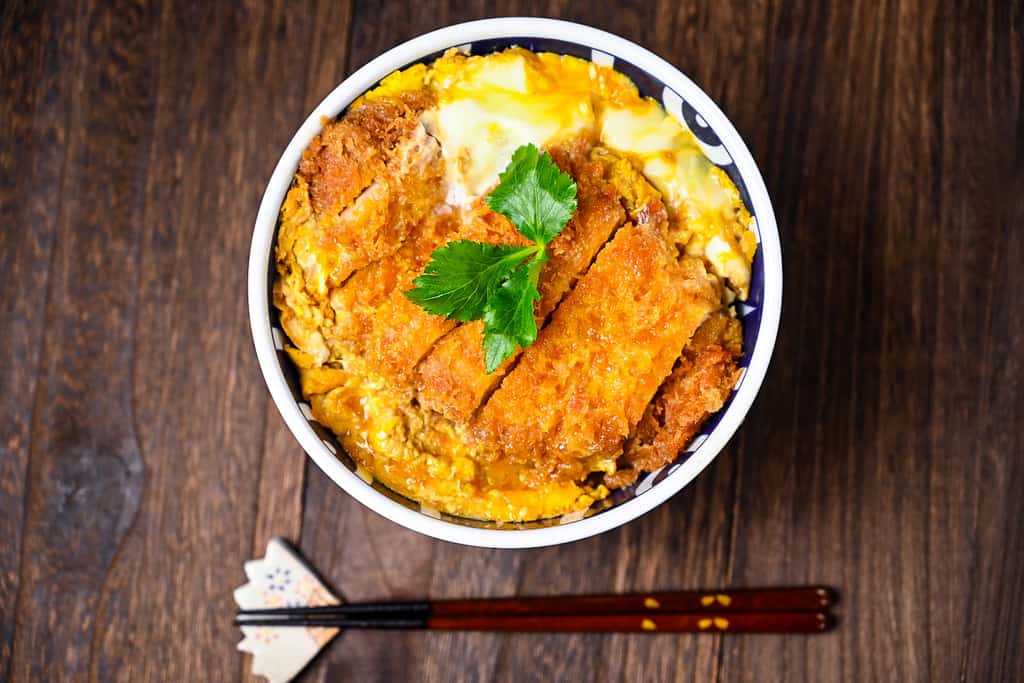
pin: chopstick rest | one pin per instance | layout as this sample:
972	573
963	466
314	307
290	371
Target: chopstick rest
281	578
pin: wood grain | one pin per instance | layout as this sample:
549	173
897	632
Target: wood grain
36	54
142	462
200	405
85	471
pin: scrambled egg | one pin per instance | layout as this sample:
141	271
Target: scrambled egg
487	106
659	246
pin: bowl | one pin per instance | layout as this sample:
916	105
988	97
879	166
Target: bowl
760	312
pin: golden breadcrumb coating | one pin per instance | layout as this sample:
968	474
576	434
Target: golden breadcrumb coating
578	391
371	177
697	388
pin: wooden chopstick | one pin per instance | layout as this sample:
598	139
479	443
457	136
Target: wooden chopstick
725	622
769	610
802	599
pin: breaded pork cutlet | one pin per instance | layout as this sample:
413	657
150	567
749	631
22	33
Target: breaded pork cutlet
452	379
364	185
375	320
697	388
580	389
372	177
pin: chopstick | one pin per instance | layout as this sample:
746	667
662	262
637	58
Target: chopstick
803	599
783	610
735	622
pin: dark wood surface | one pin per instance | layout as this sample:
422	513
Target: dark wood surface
142	462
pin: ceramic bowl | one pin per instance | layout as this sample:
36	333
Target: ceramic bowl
760	313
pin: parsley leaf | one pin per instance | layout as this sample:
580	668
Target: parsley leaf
462	276
497	283
508	316
535	194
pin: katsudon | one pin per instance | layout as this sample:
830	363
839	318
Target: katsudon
633	344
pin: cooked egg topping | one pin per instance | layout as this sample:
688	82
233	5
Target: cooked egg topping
487	106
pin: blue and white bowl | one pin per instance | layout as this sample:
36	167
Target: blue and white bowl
760	313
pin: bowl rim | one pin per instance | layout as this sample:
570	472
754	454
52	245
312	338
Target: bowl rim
369	75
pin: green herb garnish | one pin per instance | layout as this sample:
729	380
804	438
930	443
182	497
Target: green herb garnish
497	283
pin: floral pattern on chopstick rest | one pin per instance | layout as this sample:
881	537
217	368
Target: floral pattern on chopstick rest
282	579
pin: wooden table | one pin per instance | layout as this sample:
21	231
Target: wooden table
142	462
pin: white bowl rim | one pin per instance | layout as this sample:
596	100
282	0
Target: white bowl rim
362	80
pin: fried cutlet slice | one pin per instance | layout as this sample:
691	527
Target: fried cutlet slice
351	205
372	177
372	316
452	379
373	319
599	213
580	389
697	388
